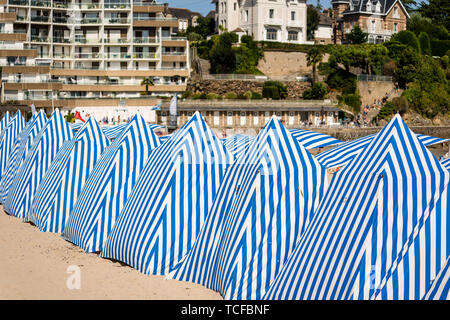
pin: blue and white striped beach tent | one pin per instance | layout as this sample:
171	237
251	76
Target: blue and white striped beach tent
66	176
8	137
163	139
5	120
264	205
30	174
440	288
391	197
18	154
114	131
446	163
342	154
109	185
171	200
238	144
311	139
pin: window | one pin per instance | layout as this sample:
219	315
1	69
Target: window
246	15
235	5
396	15
293	15
271	34
292	35
395	27
373	25
271	13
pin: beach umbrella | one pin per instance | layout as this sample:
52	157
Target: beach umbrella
392	195
171	200
265	203
440	287
342	154
238	144
66	176
109	185
8	137
46	145
22	145
446	163
311	139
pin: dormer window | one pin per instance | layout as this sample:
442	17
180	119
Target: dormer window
396	15
378	7
369	6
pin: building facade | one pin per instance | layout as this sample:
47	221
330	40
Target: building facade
69	53
379	18
186	18
266	20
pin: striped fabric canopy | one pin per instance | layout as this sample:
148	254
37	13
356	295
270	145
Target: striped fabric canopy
5	120
446	163
76	126
440	288
66	176
238	144
8	137
163	139
380	210
45	147
22	145
169	204
263	206
311	139
344	153
109	185
114	131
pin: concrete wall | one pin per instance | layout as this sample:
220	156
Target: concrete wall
371	90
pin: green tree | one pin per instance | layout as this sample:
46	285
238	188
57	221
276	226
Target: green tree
317	92
417	24
313	58
204	27
437	10
425	44
312	22
248	55
408	64
407	38
377	57
147	81
222	56
357	35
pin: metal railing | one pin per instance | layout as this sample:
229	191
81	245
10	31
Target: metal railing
40	3
373	77
234	77
120	40
146	40
118	21
40	18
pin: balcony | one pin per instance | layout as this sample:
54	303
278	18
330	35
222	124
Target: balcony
37	3
86	6
62	20
116	41
58	55
61	40
40	39
83	40
120	55
118	21
146	40
19	2
91	21
117	5
94	55
42	19
21	18
144	55
61	5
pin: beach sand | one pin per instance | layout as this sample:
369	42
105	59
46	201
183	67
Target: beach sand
34	265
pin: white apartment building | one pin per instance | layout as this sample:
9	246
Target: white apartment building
266	20
90	53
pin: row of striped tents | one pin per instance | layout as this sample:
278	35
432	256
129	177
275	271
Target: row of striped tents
446	163
22	145
109	185
8	137
66	176
265	203
171	200
30	174
311	139
238	144
440	287
381	210
341	155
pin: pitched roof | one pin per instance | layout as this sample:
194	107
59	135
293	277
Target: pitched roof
360	7
183	13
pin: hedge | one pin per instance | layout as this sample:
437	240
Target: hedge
439	47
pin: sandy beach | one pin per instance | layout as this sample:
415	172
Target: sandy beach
38	265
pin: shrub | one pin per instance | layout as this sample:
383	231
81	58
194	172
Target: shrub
407	38
440	47
212	96
271	92
274	90
317	92
187	94
248	95
343	81
231	95
199	96
352	100
256	96
425	45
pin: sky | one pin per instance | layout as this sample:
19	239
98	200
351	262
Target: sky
205	6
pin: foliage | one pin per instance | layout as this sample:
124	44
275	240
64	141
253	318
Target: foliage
222	56
212	96
437	11
407	38
313	58
312	22
231	95
204	27
353	100
248	55
70	117
407	66
201	96
440	47
417	24
284	46
274	90
357	35
317	92
256	96
425	44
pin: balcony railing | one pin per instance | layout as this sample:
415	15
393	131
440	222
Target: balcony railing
117	56
59	20
95	55
62	55
21	18
37	3
86	41
91	21
174	39
146	40
140	55
40	18
121	40
117	5
19	2
166	53
61	5
39	39
61	40
142	18
118	21
86	6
